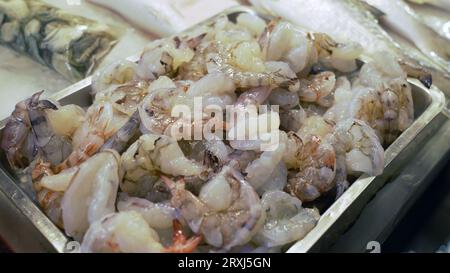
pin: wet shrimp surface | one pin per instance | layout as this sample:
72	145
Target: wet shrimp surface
234	137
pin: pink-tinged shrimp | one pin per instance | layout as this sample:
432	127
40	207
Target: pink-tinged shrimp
314	165
111	234
227	213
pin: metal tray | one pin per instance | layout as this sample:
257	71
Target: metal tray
22	216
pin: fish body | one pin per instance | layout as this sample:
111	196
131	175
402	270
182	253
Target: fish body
165	17
156	17
444	4
404	21
436	19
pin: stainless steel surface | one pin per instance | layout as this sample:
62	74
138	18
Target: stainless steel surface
386	210
428	104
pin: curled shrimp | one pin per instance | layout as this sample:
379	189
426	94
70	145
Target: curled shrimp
124	98
163	57
283	41
50	189
158	215
92	193
287	221
318	88
115	74
101	123
111	234
151	154
314	164
227	213
358	144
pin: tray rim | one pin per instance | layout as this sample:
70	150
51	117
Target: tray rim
59	241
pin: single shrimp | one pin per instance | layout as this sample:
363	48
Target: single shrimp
287	221
101	123
158	215
50	188
318	89
227	213
115	74
281	76
358	144
151	154
111	234
283	41
314	163
92	193
259	172
163	57
125	98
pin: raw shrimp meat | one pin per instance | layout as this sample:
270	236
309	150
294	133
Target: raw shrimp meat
287	221
318	88
228	212
92	193
152	154
314	163
128	232
360	146
101	123
157	215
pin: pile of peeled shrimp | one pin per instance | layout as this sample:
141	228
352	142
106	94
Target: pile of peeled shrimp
115	178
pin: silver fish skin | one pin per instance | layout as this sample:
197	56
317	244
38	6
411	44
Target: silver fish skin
155	17
355	23
444	4
436	19
403	20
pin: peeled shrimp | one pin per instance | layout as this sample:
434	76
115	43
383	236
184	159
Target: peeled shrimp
50	189
151	154
92	193
287	221
157	215
124	98
66	119
163	57
359	145
115	74
318	88
100	124
128	232
260	170
314	163
227	213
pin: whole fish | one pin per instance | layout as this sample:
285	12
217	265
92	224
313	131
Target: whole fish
403	20
356	23
165	17
445	4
